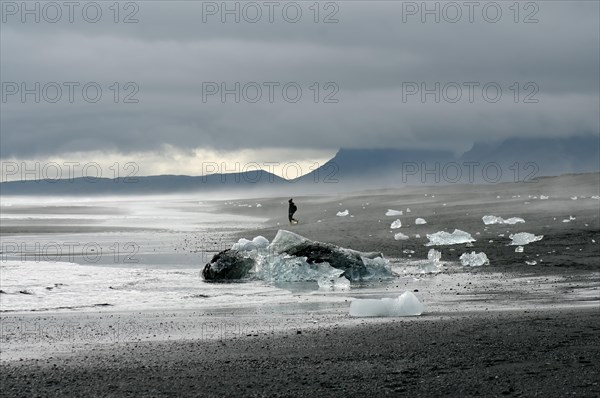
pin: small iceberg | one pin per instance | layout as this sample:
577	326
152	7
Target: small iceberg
474	259
524	238
396	224
405	305
391	213
487	220
433	265
293	258
342	213
400	236
420	221
445	238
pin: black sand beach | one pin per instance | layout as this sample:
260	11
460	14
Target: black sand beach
532	353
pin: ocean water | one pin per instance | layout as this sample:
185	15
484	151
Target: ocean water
118	254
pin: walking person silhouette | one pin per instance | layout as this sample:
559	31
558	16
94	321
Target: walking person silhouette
291	210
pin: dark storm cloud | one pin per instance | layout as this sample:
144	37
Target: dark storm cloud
370	55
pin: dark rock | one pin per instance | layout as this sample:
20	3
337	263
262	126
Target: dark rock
228	264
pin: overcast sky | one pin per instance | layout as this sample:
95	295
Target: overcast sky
367	66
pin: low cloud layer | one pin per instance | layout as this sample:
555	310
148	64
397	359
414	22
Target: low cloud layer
378	77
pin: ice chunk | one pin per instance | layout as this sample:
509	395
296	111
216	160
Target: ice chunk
519	249
474	259
406	305
375	268
396	224
573	197
400	236
260	242
487	220
434	255
532	262
284	240
392	213
433	265
294	269
340	283
258	205
420	221
542	197
417	236
445	238
596	197
524	238
342	213
408	251
408	209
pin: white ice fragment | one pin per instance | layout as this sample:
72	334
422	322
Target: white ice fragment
487	220
420	221
391	213
543	197
396	224
406	305
432	265
519	249
595	197
260	242
532	262
524	238
474	259
573	197
408	209
342	213
417	236
258	205
445	238
400	236
408	251
434	255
